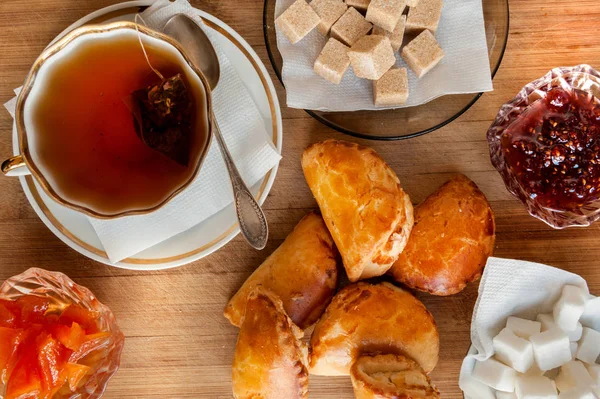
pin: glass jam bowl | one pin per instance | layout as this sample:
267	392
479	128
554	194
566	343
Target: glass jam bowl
545	143
56	339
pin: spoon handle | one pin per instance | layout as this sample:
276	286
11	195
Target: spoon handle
251	218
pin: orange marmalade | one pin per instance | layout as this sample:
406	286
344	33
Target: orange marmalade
46	349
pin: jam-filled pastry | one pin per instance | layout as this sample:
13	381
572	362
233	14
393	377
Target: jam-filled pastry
303	272
373	318
390	376
367	212
453	236
270	358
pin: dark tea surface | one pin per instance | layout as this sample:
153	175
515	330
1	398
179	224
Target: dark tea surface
86	143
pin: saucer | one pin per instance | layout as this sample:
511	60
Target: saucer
75	230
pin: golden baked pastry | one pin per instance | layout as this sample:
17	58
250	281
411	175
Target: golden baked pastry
364	207
390	377
302	272
366	319
453	237
270	359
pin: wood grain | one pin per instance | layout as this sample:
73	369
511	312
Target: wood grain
178	343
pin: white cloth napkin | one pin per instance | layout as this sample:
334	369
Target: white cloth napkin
246	136
464	69
511	288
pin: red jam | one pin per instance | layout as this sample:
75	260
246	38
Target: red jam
553	149
45	349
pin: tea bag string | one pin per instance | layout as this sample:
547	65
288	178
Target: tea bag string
138	17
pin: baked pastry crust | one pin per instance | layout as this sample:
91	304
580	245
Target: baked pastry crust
303	272
390	377
453	236
369	319
270	358
364	207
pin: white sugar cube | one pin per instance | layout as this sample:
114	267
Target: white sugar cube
547	323
535	388
570	307
523	328
591	314
513	351
505	395
551	348
573	375
546	320
574	346
475	389
594	372
589	346
577	393
575	335
495	374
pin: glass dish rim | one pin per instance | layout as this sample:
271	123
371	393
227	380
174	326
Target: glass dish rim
343	130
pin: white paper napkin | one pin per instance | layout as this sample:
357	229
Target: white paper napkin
246	136
511	288
464	69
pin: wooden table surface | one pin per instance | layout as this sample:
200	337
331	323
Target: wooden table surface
178	343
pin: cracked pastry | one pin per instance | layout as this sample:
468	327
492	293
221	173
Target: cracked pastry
453	236
370	319
270	358
368	214
303	272
390	377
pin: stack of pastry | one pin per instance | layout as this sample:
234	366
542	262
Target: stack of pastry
379	334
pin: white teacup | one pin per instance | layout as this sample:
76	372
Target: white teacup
27	162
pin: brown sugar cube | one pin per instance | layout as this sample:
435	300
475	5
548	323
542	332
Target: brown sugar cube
361	5
329	11
350	27
396	36
371	57
422	53
333	62
392	88
425	15
297	21
385	13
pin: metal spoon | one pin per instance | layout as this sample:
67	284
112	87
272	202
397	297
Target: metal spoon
198	47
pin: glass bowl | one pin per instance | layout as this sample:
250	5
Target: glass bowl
105	356
403	123
581	77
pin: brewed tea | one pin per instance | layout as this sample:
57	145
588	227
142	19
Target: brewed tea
87	145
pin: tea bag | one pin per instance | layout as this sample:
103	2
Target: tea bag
163	117
163	113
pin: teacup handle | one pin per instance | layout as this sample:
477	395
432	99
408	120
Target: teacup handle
15	166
